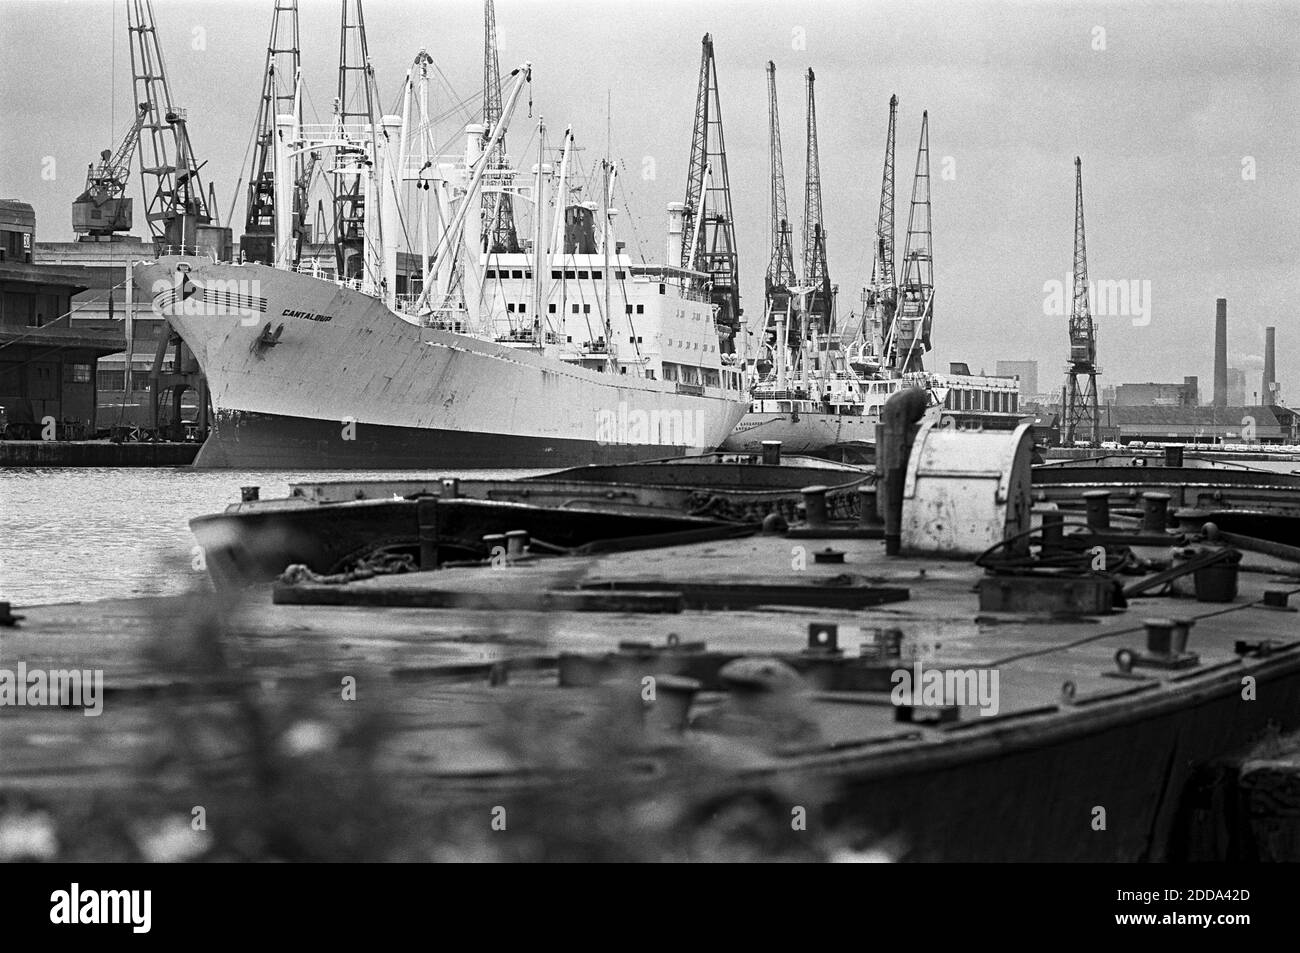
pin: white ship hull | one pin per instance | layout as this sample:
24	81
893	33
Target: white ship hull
802	432
350	384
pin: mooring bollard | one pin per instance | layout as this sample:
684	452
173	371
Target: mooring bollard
1155	512
1179	635
495	544
814	504
516	543
1159	635
772	452
1174	456
1097	503
868	506
450	487
249	494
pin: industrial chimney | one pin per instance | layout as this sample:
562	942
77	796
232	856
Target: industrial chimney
1267	391
1221	353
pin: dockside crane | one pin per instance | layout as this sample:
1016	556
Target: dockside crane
818	312
1082	421
915	312
103	209
707	218
354	117
498	206
279	97
177	208
780	276
882	296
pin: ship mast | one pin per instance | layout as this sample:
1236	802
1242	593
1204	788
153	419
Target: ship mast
707	216
1082	420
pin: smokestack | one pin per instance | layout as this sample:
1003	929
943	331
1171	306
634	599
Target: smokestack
1270	369
1221	353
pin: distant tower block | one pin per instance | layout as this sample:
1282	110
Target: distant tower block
1221	353
1268	390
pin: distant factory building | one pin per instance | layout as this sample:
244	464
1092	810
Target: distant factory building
1213	425
1026	371
1152	394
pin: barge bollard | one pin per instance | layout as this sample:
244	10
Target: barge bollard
249	494
1174	456
451	487
1098	508
516	543
814	504
772	452
868	506
1155	512
1159	635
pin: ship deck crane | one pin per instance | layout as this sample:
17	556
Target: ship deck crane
1082	421
708	207
103	209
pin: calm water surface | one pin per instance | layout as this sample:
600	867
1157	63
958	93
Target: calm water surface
100	533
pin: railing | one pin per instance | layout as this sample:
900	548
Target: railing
192	251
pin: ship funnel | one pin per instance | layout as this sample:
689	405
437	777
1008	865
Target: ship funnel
1268	393
1221	353
673	254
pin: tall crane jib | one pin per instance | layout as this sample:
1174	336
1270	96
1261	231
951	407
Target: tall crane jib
176	205
1082	420
498	205
709	236
882	296
278	98
103	210
354	117
819	312
915	312
780	276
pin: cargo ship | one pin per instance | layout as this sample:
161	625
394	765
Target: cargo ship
548	347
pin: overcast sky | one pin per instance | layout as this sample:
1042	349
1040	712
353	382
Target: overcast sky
1185	116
